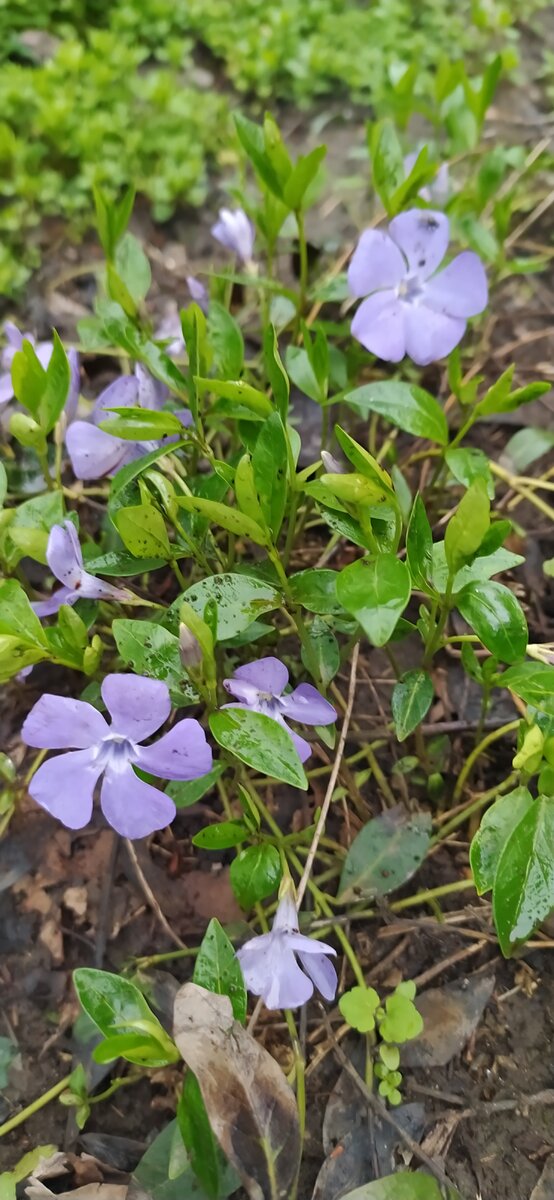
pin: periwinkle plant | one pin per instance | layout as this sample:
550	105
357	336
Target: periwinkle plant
265	573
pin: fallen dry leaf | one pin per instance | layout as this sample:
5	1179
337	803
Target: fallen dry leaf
544	1190
450	1016
251	1108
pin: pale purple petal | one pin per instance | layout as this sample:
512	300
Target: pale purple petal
131	806
183	753
235	231
268	674
271	971
122	393
137	705
91	588
286	917
74	385
379	326
6	389
321	972
198	292
430	335
59	722
13	335
152	393
375	264
244	691
306	945
47	608
64	786
63	554
422	235
305	704
93	452
302	747
186	418
43	351
461	289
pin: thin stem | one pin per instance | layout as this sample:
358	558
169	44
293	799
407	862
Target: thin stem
36	1106
472	758
303	251
475	806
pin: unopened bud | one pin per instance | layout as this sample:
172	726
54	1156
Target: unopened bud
190	650
331	464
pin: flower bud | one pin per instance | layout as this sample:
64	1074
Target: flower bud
190	650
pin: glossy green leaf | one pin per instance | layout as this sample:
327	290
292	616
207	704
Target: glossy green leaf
358	1007
404	1185
523	892
276	373
251	137
29	527
119	563
229	519
384	855
226	341
195	333
533	682
141	424
142	530
17	618
497	824
221	836
3	484
117	1007
302	373
364	462
133	267
387	159
255	874
28	378
405	405
497	618
241	393
527	445
185	793
467	464
302	175
240	600
412	697
261	743
376	593
217	969
165	1171
56	390
206	1158
269	465
467	528
402	1021
316	590
419	545
152	650
320	652
482	567
134	469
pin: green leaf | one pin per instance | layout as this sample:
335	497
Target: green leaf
195	333
320	652
165	1172
184	794
261	743
523	892
141	424
364	462
226	341
217	969
316	590
468	464
496	826
533	682
127	474
119	563
411	700
142	530
402	1021
384	855
497	618
30	525
3	484
302	175
302	373
255	874
251	137
482	567
116	1006
527	445
405	405
133	267
387	159
419	545
269	465
17	618
376	593
56	390
239	599
205	1155
404	1185
358	1007
276	373
152	650
467	528
221	836
243	394
229	519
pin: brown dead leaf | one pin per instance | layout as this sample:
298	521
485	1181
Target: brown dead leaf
76	900
450	1016
251	1108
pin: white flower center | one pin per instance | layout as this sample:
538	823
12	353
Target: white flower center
410	289
116	751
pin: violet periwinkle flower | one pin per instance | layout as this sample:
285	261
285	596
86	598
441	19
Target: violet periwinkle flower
65	559
138	706
43	351
235	231
260	686
170	327
409	309
198	292
437	190
94	452
270	967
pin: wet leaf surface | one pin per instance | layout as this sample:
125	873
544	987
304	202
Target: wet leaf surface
385	854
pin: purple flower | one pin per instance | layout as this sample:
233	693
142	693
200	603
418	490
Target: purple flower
94	452
270	967
198	292
438	190
409	309
64	785
235	231
260	686
43	351
170	327
65	559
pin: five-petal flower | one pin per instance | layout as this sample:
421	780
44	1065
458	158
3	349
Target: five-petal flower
138	706
410	309
65	559
260	686
235	231
270	968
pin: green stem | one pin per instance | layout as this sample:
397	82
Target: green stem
472	758
300	1068
436	636
36	1106
475	806
303	251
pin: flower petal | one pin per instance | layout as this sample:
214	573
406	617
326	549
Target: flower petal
137	705
183	753
63	554
379	326
74	385
321	972
248	693
267	674
92	588
375	264
423	238
47	608
270	970
6	388
461	289
286	917
288	987
93	452
132	807
430	335
235	231
64	786
57	722
152	393
122	393
305	704
302	747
